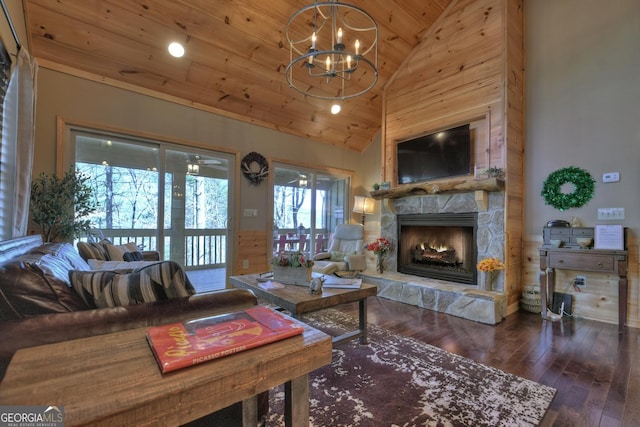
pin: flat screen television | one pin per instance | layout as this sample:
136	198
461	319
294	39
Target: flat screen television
437	155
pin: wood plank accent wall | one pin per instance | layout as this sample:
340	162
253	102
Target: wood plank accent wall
513	149
469	68
598	300
252	245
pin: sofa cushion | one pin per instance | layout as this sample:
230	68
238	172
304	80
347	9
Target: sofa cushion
119	266
49	264
117	252
64	251
88	250
26	290
160	281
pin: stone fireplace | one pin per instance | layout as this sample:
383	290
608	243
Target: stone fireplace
440	246
459	295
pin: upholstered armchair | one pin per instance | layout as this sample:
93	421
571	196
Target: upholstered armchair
345	253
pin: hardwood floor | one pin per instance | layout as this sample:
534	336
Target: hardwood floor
594	369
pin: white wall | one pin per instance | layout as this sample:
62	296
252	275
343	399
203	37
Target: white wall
77	99
582	103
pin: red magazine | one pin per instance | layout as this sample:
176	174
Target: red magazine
179	345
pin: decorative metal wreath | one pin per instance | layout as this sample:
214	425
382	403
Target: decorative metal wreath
255	167
582	181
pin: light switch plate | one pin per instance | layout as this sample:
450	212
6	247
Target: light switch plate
615	214
251	212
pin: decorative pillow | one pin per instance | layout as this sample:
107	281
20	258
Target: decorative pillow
50	265
116	252
350	247
92	251
64	251
132	256
337	255
161	281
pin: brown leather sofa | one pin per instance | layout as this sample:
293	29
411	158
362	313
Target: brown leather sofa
36	307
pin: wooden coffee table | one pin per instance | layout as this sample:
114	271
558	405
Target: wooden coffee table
113	379
297	300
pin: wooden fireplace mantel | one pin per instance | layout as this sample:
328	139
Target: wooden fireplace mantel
451	186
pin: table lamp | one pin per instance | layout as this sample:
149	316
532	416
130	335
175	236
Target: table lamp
363	205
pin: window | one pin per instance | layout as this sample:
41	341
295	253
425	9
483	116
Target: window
307	204
162	196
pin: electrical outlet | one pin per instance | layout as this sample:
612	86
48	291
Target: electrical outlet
245	264
580	281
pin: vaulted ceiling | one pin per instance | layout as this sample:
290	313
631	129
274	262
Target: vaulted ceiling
236	55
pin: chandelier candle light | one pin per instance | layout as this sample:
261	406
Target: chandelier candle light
337	58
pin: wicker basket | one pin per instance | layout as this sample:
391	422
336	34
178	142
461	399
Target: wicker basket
531	301
292	276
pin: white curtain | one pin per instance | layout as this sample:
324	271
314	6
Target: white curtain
18	138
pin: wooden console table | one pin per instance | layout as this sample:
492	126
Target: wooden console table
602	261
113	379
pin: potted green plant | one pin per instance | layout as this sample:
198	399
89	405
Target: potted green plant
494	172
60	206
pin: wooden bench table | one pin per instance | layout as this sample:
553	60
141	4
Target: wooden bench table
114	380
297	300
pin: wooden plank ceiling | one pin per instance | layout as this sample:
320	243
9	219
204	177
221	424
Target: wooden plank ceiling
236	55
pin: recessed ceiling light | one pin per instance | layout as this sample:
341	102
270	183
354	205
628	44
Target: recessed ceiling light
335	108
176	49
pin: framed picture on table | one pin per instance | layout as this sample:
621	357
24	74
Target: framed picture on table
609	237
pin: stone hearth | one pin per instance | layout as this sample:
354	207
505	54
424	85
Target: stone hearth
468	303
447	297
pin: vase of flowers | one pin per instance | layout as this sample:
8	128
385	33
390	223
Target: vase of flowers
489	268
292	268
380	247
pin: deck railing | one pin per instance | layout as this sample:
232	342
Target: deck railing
205	248
201	248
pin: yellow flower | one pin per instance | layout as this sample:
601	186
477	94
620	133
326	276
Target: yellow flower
490	264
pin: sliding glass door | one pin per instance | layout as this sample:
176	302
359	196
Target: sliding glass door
164	197
196	208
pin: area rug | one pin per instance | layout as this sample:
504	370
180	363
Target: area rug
400	381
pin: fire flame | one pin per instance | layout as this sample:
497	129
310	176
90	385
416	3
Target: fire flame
434	246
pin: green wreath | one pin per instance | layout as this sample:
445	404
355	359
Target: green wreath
582	181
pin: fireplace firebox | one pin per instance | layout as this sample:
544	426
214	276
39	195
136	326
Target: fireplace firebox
439	246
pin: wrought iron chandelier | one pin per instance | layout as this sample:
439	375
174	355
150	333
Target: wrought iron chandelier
333	50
